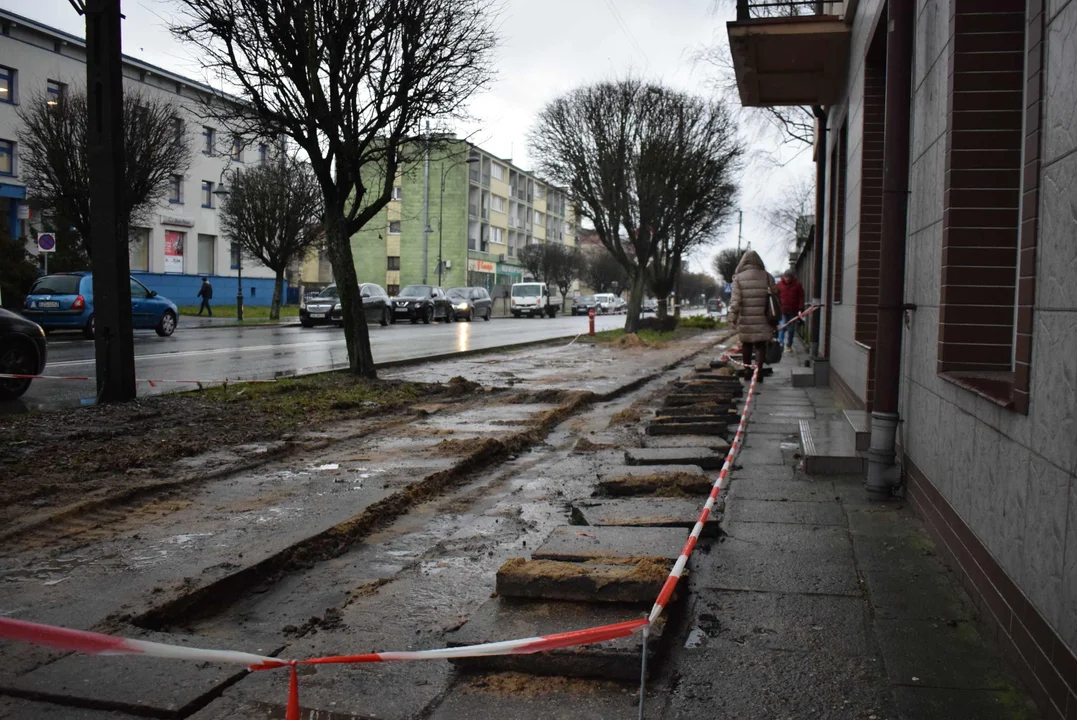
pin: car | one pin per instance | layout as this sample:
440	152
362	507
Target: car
714	305
619	305
23	351
64	301
583	305
604	302
471	302
650	305
422	302
531	299
324	308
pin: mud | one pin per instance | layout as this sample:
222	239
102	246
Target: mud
660	485
519	685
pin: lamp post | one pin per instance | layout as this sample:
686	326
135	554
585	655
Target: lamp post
441	209
222	191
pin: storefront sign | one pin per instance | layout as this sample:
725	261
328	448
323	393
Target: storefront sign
24	211
176	220
504	269
481	266
174	242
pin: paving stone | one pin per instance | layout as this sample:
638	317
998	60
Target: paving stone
683	441
778	511
826	624
706	410
651	512
702	457
582	581
652	479
499	620
141	685
904	582
761	454
688	428
575	544
682	399
929	702
878	520
754	488
939	654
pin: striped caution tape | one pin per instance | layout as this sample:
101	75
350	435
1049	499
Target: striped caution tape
99	644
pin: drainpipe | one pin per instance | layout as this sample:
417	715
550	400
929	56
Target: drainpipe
883	474
815	319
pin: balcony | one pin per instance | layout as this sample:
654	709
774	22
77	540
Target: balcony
790	52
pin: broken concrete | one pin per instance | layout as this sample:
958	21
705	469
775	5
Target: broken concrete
680	399
572	543
684	441
708	410
703	457
652	512
638	582
503	619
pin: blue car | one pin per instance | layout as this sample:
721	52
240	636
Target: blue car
64	301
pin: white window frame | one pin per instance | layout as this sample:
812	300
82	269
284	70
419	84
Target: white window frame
497	203
498	171
398	193
390	230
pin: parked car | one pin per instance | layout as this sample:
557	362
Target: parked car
471	302
22	352
650	305
531	299
604	302
325	307
64	301
619	305
583	305
422	302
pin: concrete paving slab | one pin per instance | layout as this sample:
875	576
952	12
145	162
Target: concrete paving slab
938	654
665	480
754	488
884	521
682	399
702	457
582	581
138	685
651	512
575	544
526	697
683	441
688	428
502	620
904	582
619	471
760	454
717	410
19	709
928	703
826	624
779	511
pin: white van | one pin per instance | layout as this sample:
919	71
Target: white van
605	303
531	299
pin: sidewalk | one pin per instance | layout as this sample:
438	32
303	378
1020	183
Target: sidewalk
221	321
819	604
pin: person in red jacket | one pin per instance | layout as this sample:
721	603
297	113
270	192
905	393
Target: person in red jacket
791	295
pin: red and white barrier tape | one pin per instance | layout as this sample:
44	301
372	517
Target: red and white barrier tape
98	644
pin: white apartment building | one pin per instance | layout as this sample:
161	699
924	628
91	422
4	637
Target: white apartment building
180	242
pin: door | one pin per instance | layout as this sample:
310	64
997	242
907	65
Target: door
140	305
480	302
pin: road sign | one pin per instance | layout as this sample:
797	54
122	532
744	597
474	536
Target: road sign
24	211
46	242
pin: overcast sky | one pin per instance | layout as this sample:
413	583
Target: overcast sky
547	48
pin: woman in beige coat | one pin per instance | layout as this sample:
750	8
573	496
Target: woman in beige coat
748	308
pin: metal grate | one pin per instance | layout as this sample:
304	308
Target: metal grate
753	9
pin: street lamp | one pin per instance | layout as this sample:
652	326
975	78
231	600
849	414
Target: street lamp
441	209
222	191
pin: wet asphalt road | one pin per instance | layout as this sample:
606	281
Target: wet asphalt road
260	352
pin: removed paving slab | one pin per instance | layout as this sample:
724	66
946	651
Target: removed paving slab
700	456
669	480
650	512
601	582
572	543
686	441
716	429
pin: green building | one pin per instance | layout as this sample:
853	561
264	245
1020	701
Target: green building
481	210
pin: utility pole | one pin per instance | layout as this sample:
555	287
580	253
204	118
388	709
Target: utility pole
426	205
114	349
740	228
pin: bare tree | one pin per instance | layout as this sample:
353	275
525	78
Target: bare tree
601	272
692	286
55	155
565	268
725	263
350	82
785	214
533	260
274	213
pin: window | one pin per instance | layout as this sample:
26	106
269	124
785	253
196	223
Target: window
498	171
398	193
138	242
207	194
175	190
234	252
263	152
498	203
209	140
207	250
138	290
392	290
394	263
178	128
540	219
394	227
7	157
497	235
7	84
540	192
237	148
57	91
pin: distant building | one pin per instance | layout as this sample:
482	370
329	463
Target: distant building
183	241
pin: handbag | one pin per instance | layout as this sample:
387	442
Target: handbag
774	353
773	310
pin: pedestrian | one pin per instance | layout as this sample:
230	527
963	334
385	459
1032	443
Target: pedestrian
752	285
206	293
791	294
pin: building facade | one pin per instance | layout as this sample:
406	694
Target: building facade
478	211
182	240
957	121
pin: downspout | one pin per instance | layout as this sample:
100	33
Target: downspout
815	319
883	474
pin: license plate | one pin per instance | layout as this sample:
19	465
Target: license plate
48	304
317	315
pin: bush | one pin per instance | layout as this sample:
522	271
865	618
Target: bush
17	270
701	322
657	324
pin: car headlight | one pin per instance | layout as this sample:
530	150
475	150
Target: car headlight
462	306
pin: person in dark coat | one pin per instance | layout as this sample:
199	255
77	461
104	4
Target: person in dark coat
206	293
752	284
791	294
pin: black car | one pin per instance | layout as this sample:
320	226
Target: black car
22	352
325	307
422	302
584	304
470	302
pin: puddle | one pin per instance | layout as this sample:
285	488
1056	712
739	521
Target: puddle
328	466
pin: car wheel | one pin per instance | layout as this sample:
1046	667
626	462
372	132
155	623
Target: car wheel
385	320
87	331
450	315
17	358
167	326
486	317
428	315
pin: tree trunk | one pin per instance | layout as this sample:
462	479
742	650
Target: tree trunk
663	308
274	307
356	334
635	302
